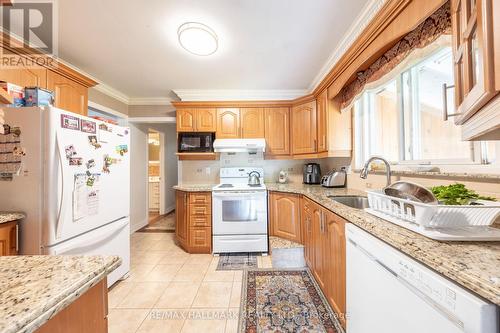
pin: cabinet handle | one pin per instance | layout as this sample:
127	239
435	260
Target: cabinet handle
315	144
445	103
17	238
324	141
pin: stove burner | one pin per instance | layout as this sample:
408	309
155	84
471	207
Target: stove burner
254	185
226	185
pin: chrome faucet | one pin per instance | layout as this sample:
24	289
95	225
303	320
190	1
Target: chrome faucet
364	171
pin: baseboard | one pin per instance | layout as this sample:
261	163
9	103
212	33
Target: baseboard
137	226
169	209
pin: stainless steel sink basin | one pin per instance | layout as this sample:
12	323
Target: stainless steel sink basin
353	201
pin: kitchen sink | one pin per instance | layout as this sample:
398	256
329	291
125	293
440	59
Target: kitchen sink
353	201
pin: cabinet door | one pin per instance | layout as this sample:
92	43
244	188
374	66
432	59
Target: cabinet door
181	215
186	120
8	239
277	131
318	236
25	77
335	265
206	120
304	128
228	123
474	54
200	240
68	94
306	222
322	121
285	216
252	123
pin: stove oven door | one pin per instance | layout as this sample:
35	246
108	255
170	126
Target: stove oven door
239	212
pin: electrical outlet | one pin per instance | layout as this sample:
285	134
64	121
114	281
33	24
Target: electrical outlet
207	171
290	169
199	170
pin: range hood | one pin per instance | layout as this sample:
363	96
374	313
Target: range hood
239	145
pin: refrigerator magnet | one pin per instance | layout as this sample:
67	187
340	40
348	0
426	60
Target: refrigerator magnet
18	151
90	164
70	151
88	126
70	122
75	161
93	141
122	149
16	131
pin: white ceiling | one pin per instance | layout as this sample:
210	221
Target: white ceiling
132	45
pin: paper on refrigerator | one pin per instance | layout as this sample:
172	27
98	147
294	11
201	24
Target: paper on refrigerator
85	196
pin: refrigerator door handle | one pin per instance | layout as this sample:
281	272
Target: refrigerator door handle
61	186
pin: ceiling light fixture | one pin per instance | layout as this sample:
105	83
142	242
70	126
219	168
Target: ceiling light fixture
197	38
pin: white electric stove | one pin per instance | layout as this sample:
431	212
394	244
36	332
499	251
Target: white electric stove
239	212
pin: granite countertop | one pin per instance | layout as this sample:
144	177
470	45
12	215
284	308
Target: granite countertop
11	216
440	174
473	265
194	187
35	288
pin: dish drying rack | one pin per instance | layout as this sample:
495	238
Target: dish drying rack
440	222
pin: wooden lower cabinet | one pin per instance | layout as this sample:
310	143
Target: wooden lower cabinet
193	228
88	313
284	216
324	252
9	239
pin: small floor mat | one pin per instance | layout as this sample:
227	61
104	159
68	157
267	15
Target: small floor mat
284	301
236	261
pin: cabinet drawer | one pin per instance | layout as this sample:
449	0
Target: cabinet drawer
199	209
200	198
200	239
200	221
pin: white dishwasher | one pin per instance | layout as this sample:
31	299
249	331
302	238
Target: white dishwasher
388	292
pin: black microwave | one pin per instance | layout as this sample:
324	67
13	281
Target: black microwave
196	142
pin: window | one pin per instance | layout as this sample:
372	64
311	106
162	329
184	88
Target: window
402	119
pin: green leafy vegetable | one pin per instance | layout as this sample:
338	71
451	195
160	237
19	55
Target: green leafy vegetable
457	194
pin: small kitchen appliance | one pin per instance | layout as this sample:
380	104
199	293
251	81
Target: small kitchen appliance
335	178
312	173
239	212
254	178
196	142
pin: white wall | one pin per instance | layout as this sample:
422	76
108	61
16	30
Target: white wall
139	170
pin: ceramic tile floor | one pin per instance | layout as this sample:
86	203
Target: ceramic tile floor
169	290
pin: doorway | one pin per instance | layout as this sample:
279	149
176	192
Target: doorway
155	176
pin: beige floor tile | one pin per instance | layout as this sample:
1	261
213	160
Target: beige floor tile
162	273
219	276
232	320
213	295
125	320
199	259
178	295
139	271
146	257
143	295
193	273
238	275
177	258
163	321
209	320
119	291
235	300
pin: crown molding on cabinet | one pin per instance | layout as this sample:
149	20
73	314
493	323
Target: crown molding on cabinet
189	95
357	27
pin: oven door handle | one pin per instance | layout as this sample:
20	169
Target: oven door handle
238	194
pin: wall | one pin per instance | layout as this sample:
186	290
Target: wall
139	170
102	99
151	111
207	172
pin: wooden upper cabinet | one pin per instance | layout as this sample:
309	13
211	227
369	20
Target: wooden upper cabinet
284	217
228	123
277	130
206	120
252	123
68	94
322	121
186	119
25	77
304	131
475	54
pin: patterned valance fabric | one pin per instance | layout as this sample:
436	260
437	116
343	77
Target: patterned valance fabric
437	24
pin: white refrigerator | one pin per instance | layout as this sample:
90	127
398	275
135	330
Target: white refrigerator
71	176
